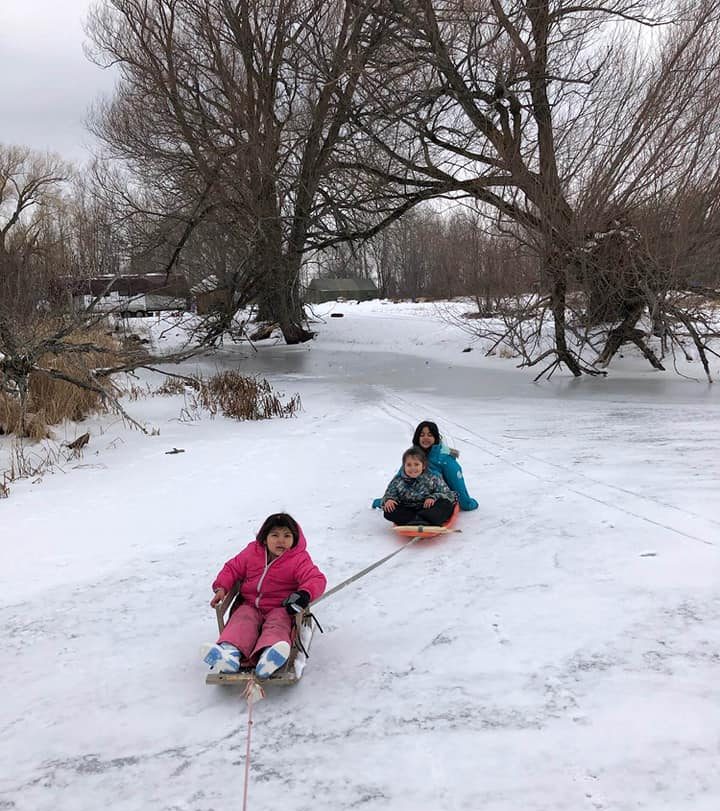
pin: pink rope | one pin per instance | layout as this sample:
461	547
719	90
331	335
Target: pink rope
253	692
247	756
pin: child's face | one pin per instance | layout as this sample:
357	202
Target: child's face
426	439
279	540
413	467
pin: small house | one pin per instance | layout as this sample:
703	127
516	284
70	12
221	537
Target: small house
210	295
320	290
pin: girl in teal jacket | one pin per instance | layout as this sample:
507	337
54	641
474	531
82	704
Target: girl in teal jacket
441	462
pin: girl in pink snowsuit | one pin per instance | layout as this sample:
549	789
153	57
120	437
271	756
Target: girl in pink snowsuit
277	580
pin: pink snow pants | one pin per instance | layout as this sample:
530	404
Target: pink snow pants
251	630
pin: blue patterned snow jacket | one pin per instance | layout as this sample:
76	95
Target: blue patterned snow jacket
442	463
413	492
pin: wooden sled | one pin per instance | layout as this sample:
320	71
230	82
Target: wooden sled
415	530
291	672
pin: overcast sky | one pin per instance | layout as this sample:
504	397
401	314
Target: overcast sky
46	82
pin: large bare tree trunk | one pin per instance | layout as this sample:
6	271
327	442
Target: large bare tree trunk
280	299
558	294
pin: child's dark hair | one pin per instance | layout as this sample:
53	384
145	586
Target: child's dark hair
278	520
417	453
431	426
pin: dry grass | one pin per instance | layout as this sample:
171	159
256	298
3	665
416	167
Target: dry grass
173	385
232	395
50	402
137	392
245	398
25	463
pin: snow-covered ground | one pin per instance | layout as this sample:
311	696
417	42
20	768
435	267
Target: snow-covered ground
560	653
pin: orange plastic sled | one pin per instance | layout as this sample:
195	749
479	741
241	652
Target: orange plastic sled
413	530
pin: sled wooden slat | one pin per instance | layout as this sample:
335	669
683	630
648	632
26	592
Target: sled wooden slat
422	529
281	677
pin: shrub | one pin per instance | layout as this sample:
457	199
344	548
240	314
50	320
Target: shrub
245	398
233	395
175	385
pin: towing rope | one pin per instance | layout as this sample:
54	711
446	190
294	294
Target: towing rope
366	570
253	692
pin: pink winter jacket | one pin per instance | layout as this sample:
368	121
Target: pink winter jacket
266	585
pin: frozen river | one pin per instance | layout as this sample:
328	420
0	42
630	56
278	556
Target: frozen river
559	653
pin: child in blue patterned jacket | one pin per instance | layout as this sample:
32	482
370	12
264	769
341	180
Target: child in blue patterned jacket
415	496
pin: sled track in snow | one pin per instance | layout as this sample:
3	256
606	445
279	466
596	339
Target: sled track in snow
398	408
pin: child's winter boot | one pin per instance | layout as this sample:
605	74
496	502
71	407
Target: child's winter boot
271	659
223	658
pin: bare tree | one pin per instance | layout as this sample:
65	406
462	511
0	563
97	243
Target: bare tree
439	254
246	101
30	185
52	235
549	114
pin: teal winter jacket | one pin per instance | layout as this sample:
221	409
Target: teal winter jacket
442	463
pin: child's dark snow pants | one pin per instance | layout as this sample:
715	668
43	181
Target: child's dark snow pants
434	516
